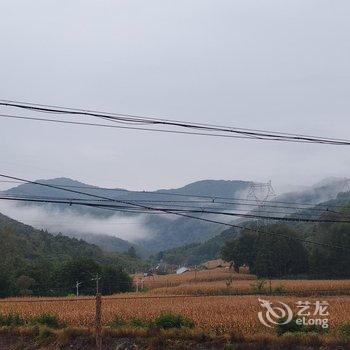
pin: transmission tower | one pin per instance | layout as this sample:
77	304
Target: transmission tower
346	187
260	193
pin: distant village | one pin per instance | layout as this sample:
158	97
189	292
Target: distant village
167	269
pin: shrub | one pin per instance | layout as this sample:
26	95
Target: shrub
45	335
11	320
117	322
280	289
293	327
258	287
170	320
46	319
139	323
344	331
290	327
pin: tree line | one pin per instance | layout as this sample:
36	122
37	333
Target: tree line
45	278
273	256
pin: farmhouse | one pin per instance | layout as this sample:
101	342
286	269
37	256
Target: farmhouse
244	269
214	264
182	270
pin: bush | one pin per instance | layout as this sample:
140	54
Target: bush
45	335
170	320
139	323
290	327
258	287
293	327
48	320
117	322
11	320
280	289
344	331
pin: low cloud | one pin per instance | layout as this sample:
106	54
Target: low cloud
130	228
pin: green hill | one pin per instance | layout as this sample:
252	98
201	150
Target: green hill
193	254
21	244
35	257
164	232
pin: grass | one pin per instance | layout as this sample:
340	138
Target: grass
46	319
183	338
170	320
343	331
166	320
294	327
11	320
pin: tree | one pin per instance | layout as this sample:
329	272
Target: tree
132	252
268	255
81	270
24	284
114	280
328	262
5	284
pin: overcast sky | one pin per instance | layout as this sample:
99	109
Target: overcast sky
275	65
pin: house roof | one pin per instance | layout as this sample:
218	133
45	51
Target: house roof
212	264
182	270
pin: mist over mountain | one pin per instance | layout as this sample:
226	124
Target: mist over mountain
151	232
22	244
194	254
322	191
118	230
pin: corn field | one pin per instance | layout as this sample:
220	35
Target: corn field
192	276
219	314
239	287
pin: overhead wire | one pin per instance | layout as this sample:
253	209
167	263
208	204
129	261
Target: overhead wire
307	241
177	210
211	198
201	127
190	205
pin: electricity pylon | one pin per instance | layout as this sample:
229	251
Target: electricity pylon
260	193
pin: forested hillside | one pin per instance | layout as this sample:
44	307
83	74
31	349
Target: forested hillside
33	256
153	232
336	208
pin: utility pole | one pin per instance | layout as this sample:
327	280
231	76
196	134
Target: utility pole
98	322
96	279
77	285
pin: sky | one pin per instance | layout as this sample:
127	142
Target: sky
272	65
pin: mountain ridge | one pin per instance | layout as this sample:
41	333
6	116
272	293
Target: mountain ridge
163	232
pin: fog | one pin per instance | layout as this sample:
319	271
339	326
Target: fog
130	228
273	65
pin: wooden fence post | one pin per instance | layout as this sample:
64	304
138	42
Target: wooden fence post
98	322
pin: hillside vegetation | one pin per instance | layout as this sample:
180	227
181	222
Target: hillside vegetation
29	258
211	249
164	232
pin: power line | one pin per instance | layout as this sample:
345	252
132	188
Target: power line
210	198
115	126
177	210
185	205
207	129
186	215
35	106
